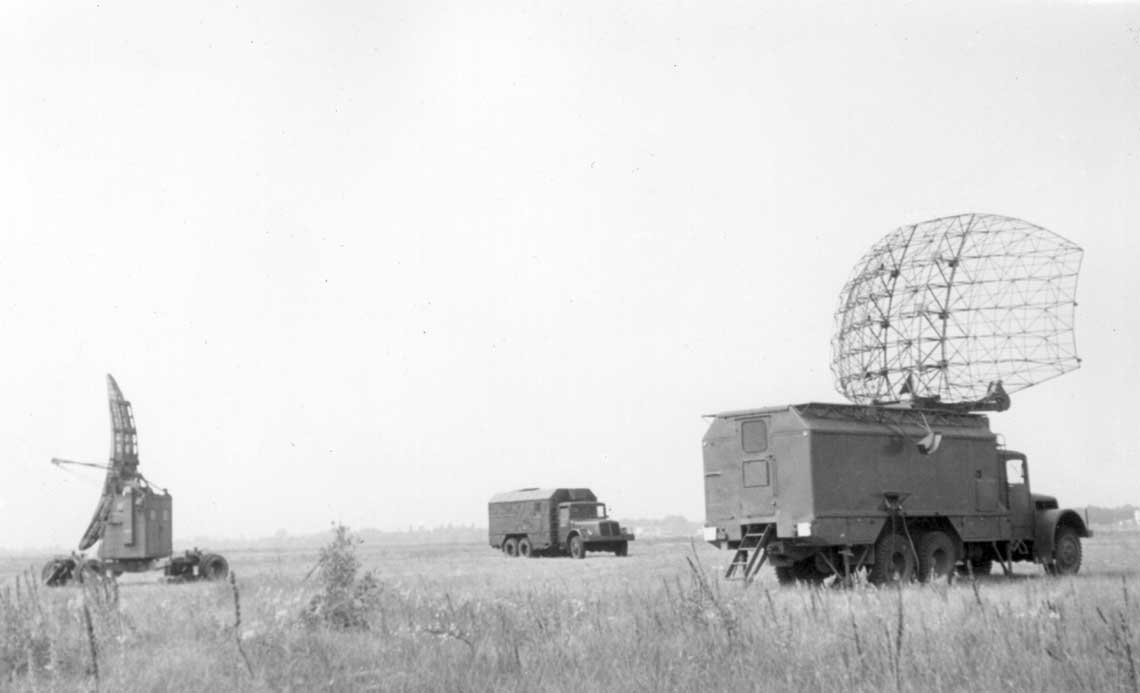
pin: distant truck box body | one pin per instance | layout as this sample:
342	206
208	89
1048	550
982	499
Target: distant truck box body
825	488
553	521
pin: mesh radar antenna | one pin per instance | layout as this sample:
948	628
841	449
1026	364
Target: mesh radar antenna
123	469
957	312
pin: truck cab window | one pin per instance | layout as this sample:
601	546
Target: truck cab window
1014	471
586	512
754	435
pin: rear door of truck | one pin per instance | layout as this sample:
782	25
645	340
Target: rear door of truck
739	469
757	467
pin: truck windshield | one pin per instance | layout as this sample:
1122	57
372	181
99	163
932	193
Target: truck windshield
587	511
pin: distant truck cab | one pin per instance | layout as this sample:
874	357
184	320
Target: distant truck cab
559	521
827	489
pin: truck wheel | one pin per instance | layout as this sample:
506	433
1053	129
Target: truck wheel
1066	552
935	556
213	567
525	549
577	548
511	547
622	549
894	560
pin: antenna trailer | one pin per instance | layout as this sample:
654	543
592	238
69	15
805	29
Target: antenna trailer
132	522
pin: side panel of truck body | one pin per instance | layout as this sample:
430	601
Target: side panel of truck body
834	466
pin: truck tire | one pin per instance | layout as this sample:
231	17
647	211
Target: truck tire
622	549
525	549
936	556
1066	552
213	567
511	547
894	560
577	547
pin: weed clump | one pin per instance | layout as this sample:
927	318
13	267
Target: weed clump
346	600
25	644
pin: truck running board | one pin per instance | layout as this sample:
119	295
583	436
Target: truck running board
750	555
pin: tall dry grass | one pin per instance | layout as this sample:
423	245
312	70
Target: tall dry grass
662	621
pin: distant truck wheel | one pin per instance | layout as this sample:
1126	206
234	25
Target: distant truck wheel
525	549
511	547
213	567
894	560
577	547
622	549
935	556
1066	552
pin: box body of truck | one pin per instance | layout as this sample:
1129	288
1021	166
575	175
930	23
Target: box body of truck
830	480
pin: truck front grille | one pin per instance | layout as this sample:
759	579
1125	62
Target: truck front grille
609	529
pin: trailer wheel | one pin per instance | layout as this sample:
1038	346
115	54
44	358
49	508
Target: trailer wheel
511	547
894	560
1066	552
935	556
577	548
622	549
91	570
213	567
57	572
525	549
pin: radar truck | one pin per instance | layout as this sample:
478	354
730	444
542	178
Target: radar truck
553	522
828	489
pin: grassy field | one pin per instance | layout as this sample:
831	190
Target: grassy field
464	618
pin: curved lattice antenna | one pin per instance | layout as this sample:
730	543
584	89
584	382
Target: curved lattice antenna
960	310
124	462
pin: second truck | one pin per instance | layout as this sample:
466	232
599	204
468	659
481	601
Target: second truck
553	522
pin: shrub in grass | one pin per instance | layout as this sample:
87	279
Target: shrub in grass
346	600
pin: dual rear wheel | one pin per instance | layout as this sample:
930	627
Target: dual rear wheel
518	546
932	557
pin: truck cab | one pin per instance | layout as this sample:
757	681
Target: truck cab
589	522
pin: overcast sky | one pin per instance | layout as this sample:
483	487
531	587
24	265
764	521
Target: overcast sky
374	262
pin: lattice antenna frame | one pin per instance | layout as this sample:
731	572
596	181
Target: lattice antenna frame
953	309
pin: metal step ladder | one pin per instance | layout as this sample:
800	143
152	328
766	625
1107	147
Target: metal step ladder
750	555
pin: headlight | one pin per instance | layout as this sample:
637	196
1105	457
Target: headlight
587	531
803	529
